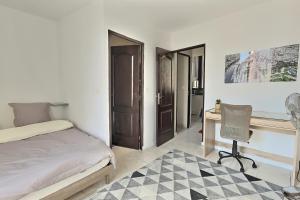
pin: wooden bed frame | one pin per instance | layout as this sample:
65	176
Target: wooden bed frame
70	190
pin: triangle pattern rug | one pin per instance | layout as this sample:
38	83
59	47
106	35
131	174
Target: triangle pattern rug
181	176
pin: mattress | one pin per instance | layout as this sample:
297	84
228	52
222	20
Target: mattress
40	161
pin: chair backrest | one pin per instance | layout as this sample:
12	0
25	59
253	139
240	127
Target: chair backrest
235	122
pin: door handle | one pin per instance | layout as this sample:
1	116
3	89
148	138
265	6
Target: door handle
159	98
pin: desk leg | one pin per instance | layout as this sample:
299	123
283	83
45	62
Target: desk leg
296	159
209	136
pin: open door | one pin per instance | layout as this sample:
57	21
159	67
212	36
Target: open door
125	96
165	97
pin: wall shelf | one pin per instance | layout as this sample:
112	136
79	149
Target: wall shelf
56	104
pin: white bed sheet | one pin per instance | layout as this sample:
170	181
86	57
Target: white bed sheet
66	182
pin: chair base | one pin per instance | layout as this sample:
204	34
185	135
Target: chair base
235	154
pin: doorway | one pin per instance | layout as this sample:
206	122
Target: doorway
180	91
126	91
190	88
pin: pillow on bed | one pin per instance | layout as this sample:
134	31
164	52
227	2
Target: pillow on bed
30	113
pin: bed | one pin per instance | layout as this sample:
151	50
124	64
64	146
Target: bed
50	160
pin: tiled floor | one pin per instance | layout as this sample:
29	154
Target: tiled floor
189	141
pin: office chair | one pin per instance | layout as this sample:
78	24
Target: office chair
235	122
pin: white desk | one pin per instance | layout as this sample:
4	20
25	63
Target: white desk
275	121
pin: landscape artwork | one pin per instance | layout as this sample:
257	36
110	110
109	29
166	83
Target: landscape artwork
269	65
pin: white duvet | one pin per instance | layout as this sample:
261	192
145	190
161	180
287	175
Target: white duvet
20	133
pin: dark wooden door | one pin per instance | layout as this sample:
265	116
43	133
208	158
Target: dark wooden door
125	63
165	97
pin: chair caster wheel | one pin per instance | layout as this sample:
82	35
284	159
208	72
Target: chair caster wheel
219	162
254	165
242	170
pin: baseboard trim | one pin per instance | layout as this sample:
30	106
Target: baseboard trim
263	154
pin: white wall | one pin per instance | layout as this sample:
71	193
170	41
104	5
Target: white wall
84	73
84	55
29	63
271	24
182	91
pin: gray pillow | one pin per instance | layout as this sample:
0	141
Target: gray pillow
30	113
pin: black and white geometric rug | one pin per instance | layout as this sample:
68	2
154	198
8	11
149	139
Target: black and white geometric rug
182	176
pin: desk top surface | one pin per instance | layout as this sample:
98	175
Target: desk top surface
278	121
263	115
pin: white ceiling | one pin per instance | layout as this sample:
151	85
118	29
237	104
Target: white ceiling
176	14
53	9
163	14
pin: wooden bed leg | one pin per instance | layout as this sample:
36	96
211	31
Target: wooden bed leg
107	179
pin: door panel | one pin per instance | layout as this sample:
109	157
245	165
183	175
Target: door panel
165	97
166	121
125	62
166	81
123	124
123	92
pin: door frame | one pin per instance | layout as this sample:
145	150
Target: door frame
141	86
189	89
204	66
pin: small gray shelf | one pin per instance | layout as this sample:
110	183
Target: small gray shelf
56	104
